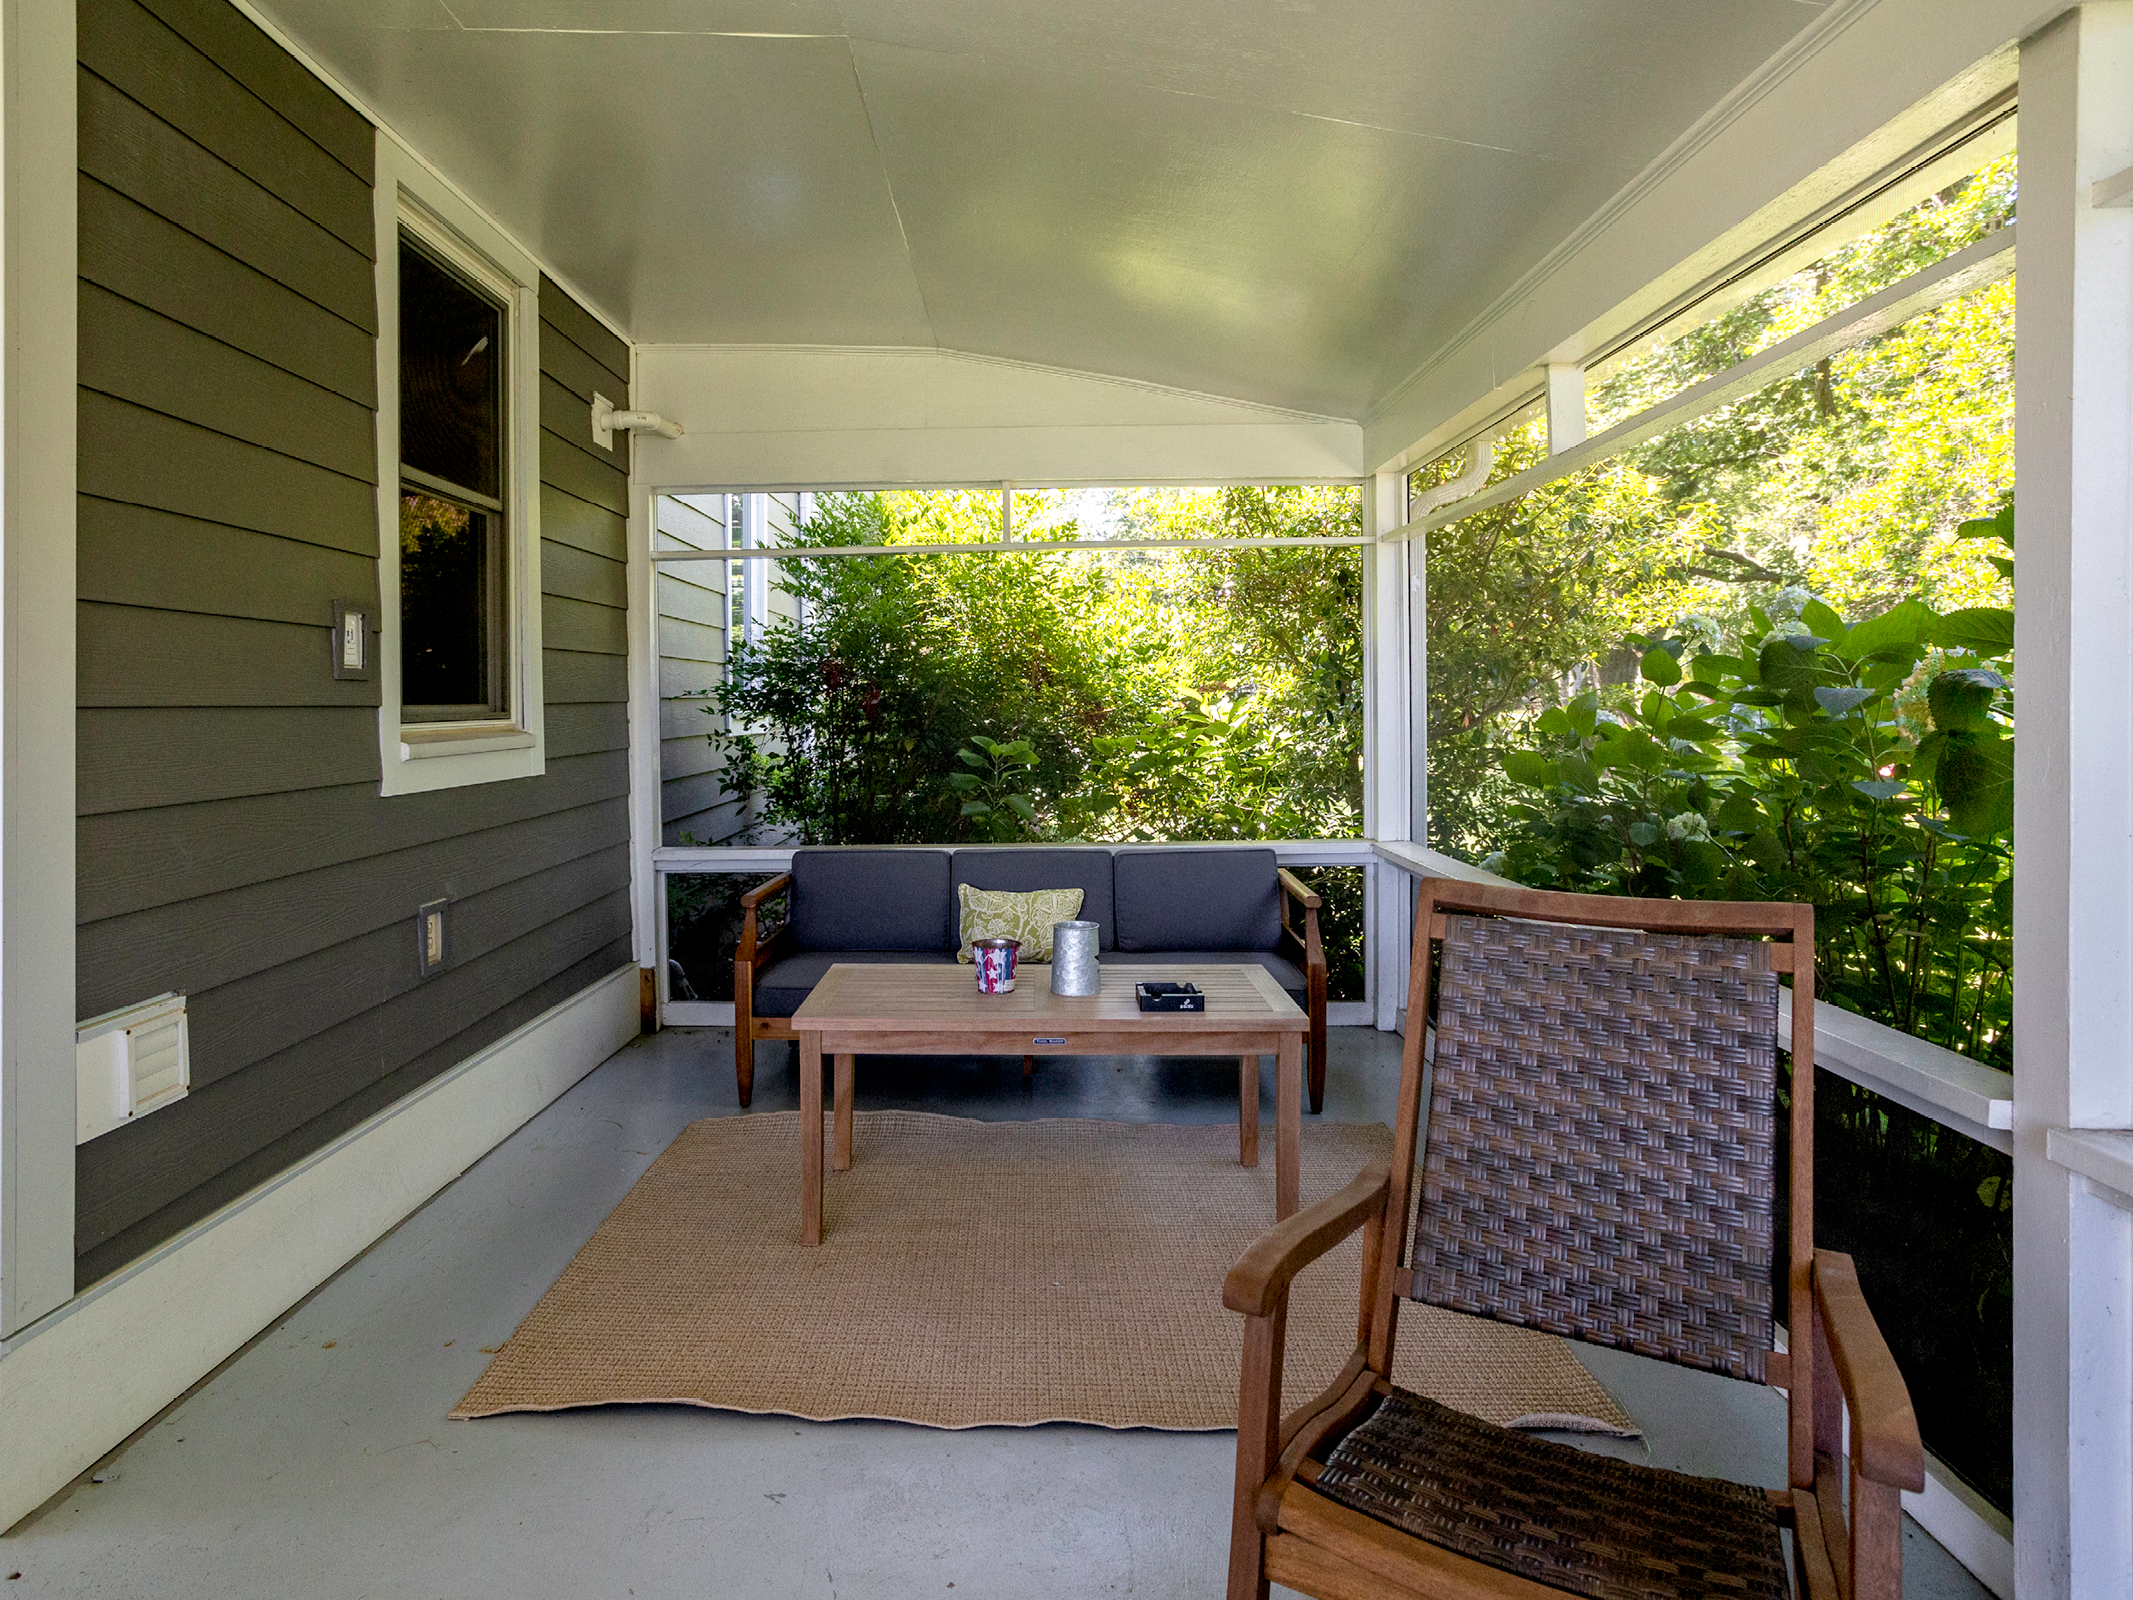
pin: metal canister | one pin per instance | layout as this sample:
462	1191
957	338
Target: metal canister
1074	958
995	961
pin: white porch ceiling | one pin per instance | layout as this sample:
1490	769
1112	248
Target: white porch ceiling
1291	202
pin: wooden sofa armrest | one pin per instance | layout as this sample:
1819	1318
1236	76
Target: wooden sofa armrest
1261	1276
766	891
753	951
1308	941
1885	1443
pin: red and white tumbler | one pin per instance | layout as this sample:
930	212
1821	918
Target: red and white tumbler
995	961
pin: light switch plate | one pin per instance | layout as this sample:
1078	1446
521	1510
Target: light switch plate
433	937
353	623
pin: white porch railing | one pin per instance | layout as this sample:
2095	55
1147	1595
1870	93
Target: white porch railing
1952	1089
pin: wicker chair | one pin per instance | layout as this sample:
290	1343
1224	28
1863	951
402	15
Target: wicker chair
1601	1163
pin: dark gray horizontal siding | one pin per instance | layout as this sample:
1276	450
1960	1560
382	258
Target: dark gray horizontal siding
145	458
232	841
131	251
135	758
574	675
560	312
578	730
237	45
132	353
136	52
137	556
145	1168
700	812
565	519
264	1013
576	625
133	656
570	371
193	945
568	419
130	862
565	467
579	575
688	755
126	146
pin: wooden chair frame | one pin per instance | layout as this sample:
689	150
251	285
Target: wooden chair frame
1283	1529
754	953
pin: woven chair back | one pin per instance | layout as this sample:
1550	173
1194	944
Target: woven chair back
1601	1154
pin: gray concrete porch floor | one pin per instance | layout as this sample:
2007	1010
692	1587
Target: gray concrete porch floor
318	1462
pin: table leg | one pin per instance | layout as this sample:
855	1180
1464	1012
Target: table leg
844	1113
1288	1126
810	1138
1248	1111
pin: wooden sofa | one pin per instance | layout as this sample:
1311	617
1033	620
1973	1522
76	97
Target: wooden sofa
1155	907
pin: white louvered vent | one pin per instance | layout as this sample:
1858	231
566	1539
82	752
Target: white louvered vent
128	1063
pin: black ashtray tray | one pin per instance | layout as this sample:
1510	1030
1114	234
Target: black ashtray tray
1169	997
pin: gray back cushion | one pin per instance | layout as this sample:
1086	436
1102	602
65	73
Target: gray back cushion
1197	900
1058	867
866	899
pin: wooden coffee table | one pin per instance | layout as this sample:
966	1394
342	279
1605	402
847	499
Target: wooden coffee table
937	1010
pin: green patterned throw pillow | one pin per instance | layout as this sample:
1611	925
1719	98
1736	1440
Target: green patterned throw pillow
1001	914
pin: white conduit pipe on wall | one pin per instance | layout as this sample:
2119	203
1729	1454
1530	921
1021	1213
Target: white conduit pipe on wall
1481	455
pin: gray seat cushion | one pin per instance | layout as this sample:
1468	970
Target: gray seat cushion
1286	973
1057	867
1197	900
865	899
781	986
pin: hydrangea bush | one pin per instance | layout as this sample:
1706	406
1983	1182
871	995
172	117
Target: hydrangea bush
1867	768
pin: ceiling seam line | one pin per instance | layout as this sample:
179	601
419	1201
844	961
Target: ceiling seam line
888	185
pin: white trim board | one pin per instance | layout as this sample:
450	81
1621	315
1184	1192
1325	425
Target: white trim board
408	198
868	417
37	588
1966	1525
76	1383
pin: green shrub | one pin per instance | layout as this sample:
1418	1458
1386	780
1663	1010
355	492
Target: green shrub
1866	769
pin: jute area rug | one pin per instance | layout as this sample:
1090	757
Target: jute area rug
976	1273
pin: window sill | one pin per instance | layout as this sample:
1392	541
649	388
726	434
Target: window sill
418	743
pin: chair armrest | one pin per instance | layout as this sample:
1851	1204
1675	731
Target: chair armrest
1885	1443
765	891
1259	1279
1308	943
748	953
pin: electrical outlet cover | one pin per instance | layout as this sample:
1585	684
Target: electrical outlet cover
433	937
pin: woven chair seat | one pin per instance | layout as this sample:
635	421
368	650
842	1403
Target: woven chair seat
1589	1524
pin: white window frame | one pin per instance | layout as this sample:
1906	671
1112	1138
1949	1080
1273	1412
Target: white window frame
417	757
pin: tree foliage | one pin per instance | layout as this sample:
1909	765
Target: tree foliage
1128	695
1848	479
1867	770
